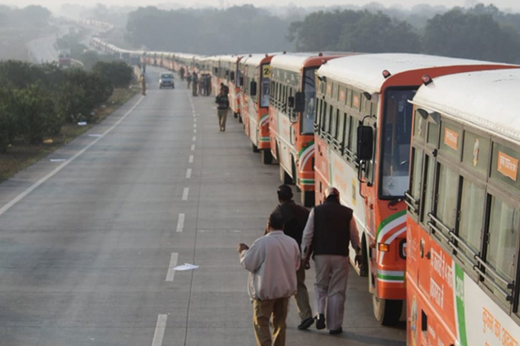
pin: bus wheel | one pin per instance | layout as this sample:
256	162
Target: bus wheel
364	252
308	198
239	118
254	148
386	311
235	115
267	157
284	177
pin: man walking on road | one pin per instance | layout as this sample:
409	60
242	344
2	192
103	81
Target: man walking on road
272	262
223	107
295	217
329	230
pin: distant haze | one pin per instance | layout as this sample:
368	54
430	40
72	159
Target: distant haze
503	5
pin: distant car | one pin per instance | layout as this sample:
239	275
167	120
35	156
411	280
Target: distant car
166	80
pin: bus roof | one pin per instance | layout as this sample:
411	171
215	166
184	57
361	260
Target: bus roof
365	71
486	99
293	61
254	59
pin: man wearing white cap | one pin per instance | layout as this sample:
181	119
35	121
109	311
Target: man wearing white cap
327	234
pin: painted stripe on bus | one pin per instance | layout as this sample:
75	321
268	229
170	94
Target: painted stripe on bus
459	299
306	153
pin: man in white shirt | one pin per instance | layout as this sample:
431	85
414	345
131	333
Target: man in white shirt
272	262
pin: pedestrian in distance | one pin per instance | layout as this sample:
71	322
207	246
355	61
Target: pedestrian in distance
295	218
181	72
272	262
188	79
142	81
327	234
222	109
194	81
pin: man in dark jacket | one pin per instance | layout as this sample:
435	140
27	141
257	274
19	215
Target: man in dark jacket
223	107
327	234
295	217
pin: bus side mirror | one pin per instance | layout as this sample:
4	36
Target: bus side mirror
290	102
299	102
232	76
252	88
365	143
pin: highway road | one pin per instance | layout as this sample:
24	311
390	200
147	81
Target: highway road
90	234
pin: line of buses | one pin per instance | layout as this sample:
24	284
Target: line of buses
424	149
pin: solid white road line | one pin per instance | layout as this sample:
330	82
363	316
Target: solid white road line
185	193
191	159
65	164
188	173
173	263
180	223
160	328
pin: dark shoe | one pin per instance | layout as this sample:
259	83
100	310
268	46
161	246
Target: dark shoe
306	323
336	331
320	321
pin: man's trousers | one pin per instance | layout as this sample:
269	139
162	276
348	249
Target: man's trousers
262	311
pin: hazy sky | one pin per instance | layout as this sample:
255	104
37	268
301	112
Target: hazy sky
501	4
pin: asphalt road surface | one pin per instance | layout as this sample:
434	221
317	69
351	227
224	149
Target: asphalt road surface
89	236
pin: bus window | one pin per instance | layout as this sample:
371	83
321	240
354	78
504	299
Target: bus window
341	131
447	192
427	197
396	142
502	238
309	89
417	157
471	216
264	96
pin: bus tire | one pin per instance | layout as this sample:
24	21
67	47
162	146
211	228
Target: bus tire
387	312
285	178
307	198
239	118
235	115
254	148
267	157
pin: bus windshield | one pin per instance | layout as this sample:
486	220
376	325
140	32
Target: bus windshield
264	96
395	144
309	89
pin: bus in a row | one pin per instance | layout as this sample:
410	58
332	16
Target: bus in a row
463	218
362	139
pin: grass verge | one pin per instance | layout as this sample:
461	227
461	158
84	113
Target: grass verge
21	155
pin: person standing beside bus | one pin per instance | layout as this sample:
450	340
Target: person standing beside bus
222	109
188	79
326	236
195	83
295	217
272	262
181	72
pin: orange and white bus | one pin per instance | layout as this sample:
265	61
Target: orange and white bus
463	215
291	118
256	71
363	134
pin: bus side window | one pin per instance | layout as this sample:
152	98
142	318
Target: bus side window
415	179
502	239
447	196
340	136
323	123
471	220
427	189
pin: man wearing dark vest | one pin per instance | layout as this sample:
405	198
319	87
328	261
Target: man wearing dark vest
327	234
295	217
